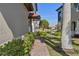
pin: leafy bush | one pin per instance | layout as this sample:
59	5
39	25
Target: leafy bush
57	33
18	47
41	33
28	41
12	48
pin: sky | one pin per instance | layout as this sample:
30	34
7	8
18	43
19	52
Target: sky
48	12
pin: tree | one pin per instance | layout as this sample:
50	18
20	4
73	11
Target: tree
44	24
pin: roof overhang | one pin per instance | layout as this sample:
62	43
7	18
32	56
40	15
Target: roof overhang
31	6
59	8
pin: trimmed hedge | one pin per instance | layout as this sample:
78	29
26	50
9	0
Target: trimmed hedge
57	33
41	33
18	47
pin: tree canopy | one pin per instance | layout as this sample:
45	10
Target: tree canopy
44	24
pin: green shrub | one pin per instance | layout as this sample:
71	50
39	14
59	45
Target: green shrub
18	47
28	41
57	33
41	33
12	48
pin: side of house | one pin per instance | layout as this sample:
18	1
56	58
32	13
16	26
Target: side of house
34	19
60	17
14	20
36	24
74	18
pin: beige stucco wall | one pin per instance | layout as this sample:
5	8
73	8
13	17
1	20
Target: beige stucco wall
13	21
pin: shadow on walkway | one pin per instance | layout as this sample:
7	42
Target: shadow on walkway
56	47
41	39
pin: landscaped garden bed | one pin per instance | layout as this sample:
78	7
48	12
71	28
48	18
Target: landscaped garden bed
54	46
18	47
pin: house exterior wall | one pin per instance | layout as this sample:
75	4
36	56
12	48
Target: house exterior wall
13	21
60	19
77	27
32	26
36	25
75	18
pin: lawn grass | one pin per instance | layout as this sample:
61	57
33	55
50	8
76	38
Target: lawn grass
52	52
54	46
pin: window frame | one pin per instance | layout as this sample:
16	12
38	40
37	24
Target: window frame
77	7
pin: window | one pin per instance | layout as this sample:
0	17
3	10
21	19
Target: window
60	15
73	26
76	6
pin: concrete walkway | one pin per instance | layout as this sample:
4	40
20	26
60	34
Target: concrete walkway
39	48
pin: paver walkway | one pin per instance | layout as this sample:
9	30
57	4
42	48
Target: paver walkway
39	48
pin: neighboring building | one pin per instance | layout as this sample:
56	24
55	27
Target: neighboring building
74	18
34	19
68	18
60	17
53	27
14	20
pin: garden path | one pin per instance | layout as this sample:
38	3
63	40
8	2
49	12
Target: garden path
39	48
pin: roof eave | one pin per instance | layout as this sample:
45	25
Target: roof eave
30	6
59	8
